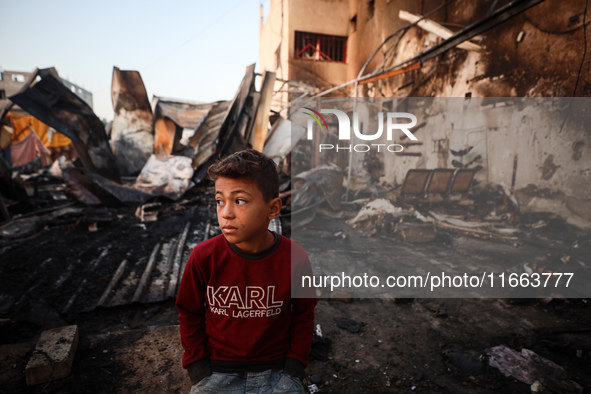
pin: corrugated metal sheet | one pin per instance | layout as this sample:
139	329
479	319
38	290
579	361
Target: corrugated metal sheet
171	117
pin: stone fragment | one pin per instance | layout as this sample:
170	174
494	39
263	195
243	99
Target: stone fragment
53	355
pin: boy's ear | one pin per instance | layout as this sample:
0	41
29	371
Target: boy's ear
275	208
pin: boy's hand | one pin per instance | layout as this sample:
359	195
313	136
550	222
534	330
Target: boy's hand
295	368
199	370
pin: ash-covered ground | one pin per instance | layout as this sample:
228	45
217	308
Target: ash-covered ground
367	344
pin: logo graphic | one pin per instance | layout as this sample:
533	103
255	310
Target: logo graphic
344	131
316	119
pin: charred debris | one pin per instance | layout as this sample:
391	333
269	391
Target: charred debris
136	199
115	226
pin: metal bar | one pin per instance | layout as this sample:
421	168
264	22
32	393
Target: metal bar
63	277
174	276
207	229
146	274
3	211
205	238
34	279
392	73
113	282
81	286
126	284
45	210
157	288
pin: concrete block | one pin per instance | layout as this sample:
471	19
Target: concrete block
53	355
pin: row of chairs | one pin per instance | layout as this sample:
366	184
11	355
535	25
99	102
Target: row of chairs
442	181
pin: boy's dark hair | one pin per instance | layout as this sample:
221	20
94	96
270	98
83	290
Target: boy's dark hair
249	164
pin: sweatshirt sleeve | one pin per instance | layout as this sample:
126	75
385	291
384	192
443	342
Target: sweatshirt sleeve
190	303
302	313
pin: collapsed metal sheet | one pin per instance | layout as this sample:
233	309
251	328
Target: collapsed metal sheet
45	97
283	136
204	139
93	189
235	124
329	179
187	114
164	175
171	117
132	134
261	120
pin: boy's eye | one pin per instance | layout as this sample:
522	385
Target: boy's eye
240	201
219	203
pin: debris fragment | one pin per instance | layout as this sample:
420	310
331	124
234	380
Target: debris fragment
373	212
165	175
53	355
529	367
415	232
319	330
149	212
347	324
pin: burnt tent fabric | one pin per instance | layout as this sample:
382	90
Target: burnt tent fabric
50	101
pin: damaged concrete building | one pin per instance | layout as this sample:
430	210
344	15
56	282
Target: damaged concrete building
517	49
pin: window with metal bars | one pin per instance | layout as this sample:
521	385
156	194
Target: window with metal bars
320	47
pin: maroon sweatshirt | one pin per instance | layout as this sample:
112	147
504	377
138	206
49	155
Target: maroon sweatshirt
235	308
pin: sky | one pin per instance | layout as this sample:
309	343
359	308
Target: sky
195	50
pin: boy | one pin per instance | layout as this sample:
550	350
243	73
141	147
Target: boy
240	327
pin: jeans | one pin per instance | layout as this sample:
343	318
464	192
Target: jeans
269	381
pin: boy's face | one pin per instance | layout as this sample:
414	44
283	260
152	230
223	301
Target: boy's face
243	214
